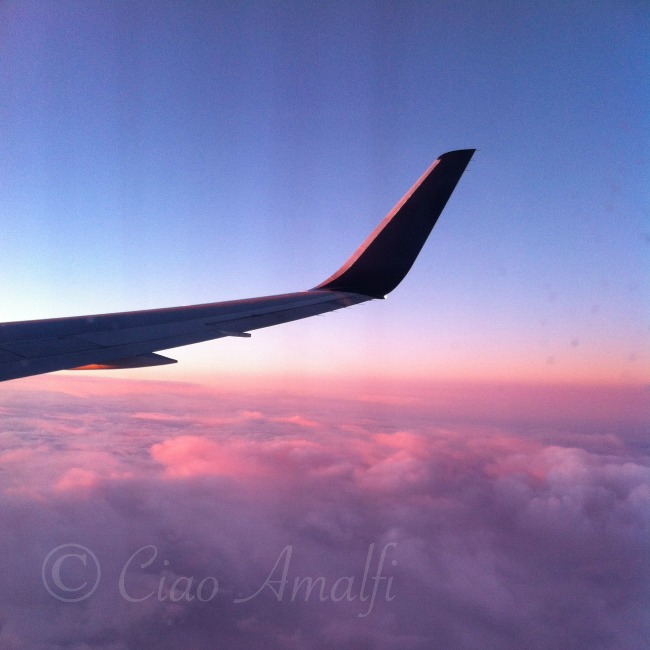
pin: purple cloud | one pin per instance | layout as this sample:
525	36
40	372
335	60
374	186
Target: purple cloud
242	519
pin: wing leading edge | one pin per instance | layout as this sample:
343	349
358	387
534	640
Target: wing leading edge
130	339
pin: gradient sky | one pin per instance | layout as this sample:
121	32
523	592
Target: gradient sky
487	424
157	154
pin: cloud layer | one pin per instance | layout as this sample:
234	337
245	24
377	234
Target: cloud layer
244	519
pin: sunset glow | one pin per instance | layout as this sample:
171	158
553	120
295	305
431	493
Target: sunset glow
472	499
462	466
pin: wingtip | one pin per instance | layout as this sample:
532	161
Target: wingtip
384	259
458	154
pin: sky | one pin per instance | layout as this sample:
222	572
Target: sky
160	154
464	465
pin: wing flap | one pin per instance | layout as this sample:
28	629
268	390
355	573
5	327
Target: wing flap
140	361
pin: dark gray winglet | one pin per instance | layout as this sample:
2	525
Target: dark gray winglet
382	261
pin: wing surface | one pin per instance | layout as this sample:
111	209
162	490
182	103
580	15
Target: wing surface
130	339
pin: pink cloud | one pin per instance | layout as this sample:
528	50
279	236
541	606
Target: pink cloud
158	417
15	456
500	525
186	456
297	420
76	478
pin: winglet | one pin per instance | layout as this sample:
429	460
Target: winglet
382	261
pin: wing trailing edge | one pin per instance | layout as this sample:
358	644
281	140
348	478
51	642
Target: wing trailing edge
139	361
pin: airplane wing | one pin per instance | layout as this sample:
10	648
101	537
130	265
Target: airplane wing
131	339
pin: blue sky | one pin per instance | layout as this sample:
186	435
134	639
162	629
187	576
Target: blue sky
163	154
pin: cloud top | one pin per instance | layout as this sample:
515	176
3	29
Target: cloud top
202	506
